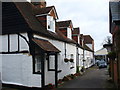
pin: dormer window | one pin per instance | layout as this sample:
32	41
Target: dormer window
50	23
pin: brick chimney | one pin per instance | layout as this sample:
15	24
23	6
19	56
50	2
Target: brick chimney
39	3
81	40
76	35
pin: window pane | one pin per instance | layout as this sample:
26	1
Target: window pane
37	63
52	62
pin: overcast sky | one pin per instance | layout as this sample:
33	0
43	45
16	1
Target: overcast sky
90	15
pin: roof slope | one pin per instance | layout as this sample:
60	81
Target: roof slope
12	21
43	10
46	45
115	10
22	19
88	39
102	51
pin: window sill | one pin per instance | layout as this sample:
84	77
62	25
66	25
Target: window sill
37	73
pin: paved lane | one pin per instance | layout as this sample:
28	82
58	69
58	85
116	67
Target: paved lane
93	78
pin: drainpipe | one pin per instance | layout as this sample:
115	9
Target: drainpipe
56	70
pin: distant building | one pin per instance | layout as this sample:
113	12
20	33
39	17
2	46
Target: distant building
101	54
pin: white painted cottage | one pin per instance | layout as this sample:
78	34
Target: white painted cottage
88	51
80	50
33	49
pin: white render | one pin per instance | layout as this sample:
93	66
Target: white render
17	68
90	46
69	33
80	61
70	49
14	43
89	59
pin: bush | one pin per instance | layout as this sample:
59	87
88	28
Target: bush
77	70
82	70
50	86
112	55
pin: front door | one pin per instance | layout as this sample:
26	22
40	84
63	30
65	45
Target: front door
50	70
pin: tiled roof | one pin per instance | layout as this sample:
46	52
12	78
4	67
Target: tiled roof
12	21
88	39
115	10
46	45
20	17
45	10
64	23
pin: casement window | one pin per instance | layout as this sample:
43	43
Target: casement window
37	64
50	23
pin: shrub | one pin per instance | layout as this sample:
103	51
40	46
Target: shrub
77	70
50	86
112	55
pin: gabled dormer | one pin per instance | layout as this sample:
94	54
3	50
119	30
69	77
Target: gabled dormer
76	35
88	40
66	28
46	15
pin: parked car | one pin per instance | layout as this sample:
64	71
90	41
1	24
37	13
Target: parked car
97	61
102	64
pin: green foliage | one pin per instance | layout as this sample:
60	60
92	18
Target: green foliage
77	69
112	55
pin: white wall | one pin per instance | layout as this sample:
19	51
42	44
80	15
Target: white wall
80	57
89	59
17	69
14	42
90	46
65	67
4	43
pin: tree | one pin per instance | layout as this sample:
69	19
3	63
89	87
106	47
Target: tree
107	40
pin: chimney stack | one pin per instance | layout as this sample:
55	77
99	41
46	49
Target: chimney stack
39	3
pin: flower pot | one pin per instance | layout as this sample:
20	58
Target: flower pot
71	60
66	60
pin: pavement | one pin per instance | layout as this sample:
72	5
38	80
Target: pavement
92	78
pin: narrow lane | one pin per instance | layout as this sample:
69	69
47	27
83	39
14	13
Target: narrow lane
93	78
